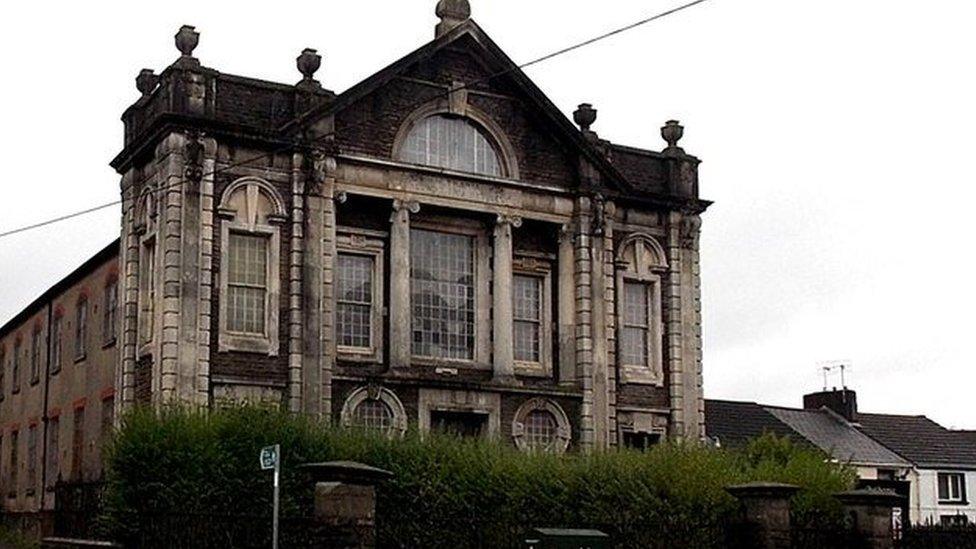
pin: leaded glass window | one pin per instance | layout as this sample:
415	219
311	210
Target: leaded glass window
247	283
636	324
451	142
541	429
373	415
527	317
442	289
354	310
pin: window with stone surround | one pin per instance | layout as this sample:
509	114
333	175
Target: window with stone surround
442	290
78	444
541	425
147	291
359	294
110	312
952	487
14	465
451	142
251	212
640	264
36	352
3	371
57	335
15	367
53	451
532	316
374	408
81	329
31	459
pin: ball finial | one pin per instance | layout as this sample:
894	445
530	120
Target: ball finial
186	40
451	13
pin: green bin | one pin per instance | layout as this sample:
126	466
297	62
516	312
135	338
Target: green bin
567	538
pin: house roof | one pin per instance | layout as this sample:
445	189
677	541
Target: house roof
921	440
734	424
61	286
837	437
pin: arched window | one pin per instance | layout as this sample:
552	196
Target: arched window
541	425
252	212
374	408
451	142
641	263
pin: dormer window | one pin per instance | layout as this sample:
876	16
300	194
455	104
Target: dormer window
451	142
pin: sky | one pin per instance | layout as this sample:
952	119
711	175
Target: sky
837	141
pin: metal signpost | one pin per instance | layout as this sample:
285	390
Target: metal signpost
271	459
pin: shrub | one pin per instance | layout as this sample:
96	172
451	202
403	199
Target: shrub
179	474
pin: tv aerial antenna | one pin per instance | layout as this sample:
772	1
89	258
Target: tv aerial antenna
830	366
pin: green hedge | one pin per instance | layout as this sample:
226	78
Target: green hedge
195	475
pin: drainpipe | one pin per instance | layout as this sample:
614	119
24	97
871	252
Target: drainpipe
44	417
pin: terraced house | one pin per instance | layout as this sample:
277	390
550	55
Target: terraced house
438	245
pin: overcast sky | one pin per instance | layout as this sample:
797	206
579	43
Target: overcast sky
837	139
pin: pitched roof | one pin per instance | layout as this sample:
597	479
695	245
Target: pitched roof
86	268
835	436
921	440
734	424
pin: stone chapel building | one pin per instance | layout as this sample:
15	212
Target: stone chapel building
437	245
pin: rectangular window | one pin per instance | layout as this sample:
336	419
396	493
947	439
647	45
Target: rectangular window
110	313
953	520
108	419
147	293
14	465
952	487
527	317
442	292
81	330
36	354
57	333
247	283
31	458
3	370
354	309
635	334
78	445
53	451
15	368
640	440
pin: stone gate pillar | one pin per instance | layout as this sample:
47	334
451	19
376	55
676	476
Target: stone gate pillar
766	506
345	503
871	514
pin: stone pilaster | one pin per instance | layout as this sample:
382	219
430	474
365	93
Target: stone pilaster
206	253
295	267
692	320
600	366
400	283
170	251
610	319
129	292
328	344
313	276
566	287
584	322
504	354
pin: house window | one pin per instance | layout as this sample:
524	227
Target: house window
442	288
527	317
640	264
36	352
640	441
540	430
952	487
954	520
247	283
57	333
451	142
3	371
374	415
459	424
81	329
110	312
15	368
53	450
31	458
147	291
251	211
78	444
635	334
354	312
14	464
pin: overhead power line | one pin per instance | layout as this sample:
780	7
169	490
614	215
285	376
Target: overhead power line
261	156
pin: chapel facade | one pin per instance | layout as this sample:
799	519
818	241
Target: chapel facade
437	246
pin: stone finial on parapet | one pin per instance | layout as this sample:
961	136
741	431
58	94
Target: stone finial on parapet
766	506
187	39
672	131
451	13
308	63
146	82
585	116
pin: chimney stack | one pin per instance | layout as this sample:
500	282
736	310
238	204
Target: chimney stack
842	402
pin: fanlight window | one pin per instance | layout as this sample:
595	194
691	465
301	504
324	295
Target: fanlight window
451	142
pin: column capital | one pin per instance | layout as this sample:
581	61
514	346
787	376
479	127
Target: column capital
510	220
411	206
340	197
